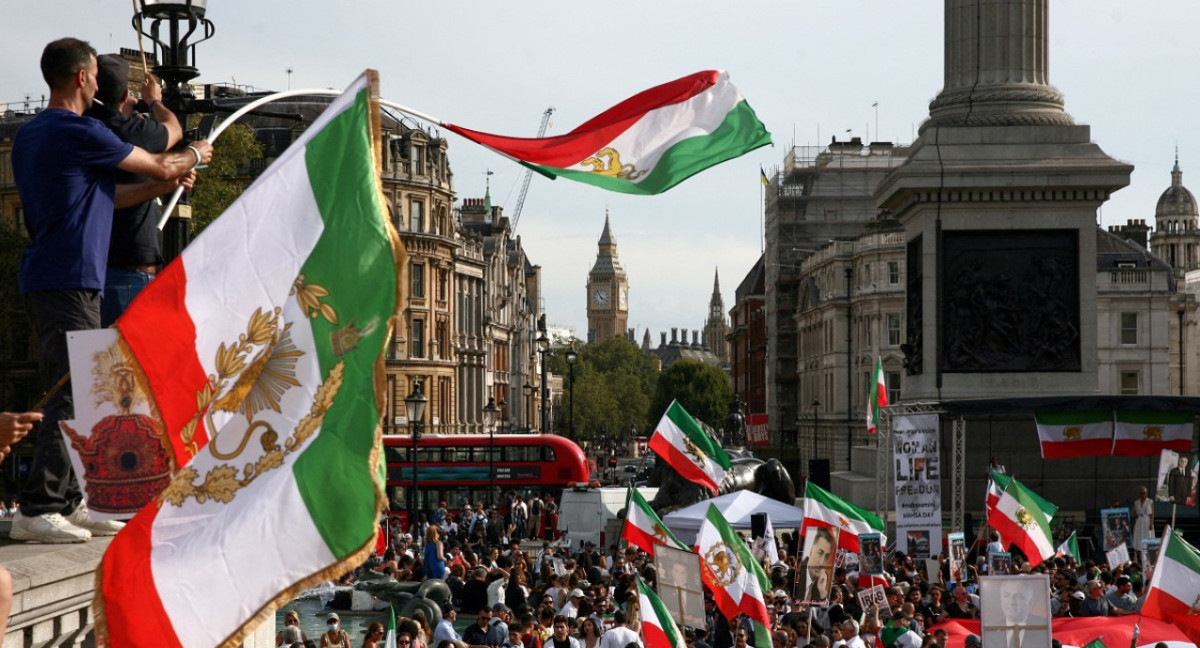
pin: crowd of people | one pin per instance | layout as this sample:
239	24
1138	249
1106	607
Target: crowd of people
520	595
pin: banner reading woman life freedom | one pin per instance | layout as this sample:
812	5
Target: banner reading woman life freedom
915	445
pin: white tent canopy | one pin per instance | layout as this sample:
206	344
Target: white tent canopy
737	507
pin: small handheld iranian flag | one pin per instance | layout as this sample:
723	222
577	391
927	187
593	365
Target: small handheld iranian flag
1069	547
643	528
822	508
687	448
1023	518
293	289
648	143
658	628
878	398
1174	592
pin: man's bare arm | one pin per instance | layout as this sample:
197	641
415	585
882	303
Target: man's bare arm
128	195
166	166
152	94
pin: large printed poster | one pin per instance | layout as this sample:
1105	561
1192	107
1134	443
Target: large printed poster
916	453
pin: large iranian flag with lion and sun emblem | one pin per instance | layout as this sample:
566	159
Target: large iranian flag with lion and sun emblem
278	314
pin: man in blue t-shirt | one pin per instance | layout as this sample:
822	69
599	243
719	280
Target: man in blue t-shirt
64	166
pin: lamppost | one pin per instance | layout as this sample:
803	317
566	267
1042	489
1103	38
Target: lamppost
572	358
489	421
176	52
543	346
414	406
528	389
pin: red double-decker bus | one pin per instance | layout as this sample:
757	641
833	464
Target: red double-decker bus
452	468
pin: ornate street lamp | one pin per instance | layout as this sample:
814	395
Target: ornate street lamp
414	406
175	50
489	421
543	346
572	358
528	389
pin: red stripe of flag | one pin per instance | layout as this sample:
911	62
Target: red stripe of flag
126	576
161	334
1080	448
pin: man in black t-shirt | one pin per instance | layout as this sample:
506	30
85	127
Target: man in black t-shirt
134	254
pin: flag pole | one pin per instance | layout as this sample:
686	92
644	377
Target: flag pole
241	112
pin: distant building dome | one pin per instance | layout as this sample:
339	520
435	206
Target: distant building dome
1176	203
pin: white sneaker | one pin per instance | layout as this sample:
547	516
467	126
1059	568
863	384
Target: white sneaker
48	528
82	519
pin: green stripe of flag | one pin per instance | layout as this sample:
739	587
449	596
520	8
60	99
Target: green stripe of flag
332	471
739	133
1183	553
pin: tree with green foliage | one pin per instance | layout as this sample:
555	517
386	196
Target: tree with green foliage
613	383
702	389
218	185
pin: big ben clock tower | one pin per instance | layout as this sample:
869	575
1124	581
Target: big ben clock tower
607	291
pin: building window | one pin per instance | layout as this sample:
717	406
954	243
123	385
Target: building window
1129	328
892	380
868	342
418	338
443	285
416	216
418	159
893	329
1129	382
443	339
418	280
893	273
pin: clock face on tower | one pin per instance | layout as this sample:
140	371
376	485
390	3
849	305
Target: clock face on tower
624	298
600	297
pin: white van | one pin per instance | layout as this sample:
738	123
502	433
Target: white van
587	514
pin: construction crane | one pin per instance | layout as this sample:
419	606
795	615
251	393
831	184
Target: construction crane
516	217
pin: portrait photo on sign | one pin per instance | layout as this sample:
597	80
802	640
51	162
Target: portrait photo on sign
679	585
918	543
1114	523
815	576
1015	611
999	563
1150	547
870	554
957	557
1177	477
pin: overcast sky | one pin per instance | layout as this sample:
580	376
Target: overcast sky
811	69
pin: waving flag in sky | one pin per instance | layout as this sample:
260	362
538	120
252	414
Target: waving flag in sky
681	442
648	143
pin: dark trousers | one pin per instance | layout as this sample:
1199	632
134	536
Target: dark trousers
51	486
